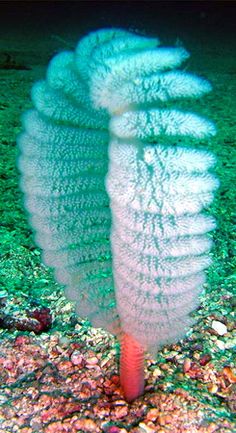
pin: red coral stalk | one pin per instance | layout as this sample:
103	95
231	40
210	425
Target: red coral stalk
131	367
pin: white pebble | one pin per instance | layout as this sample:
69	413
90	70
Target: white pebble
220	344
219	327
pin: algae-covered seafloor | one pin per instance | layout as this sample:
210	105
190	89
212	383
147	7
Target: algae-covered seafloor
56	372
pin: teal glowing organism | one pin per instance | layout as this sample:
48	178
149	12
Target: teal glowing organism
114	199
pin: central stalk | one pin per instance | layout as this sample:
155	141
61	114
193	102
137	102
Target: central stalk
131	367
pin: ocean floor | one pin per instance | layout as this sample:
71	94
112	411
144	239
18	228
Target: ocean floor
57	373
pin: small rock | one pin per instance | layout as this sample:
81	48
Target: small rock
105	361
212	388
120	403
64	365
187	365
231	401
115	429
115	379
86	425
22	340
102	410
205	359
164	367
219	327
157	372
196	355
152	414
230	343
229	373
120	411
144	428
220	344
92	361
76	358
198	347
195	371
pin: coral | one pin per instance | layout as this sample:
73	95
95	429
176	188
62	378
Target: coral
115	187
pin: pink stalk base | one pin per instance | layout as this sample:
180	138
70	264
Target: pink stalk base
131	368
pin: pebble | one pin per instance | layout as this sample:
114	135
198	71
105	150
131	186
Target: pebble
152	414
219	327
120	403
114	429
120	411
157	372
230	343
64	365
187	365
76	358
205	359
196	355
86	425
22	340
229	373
105	361
92	361
220	344
212	388
144	428
164	366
